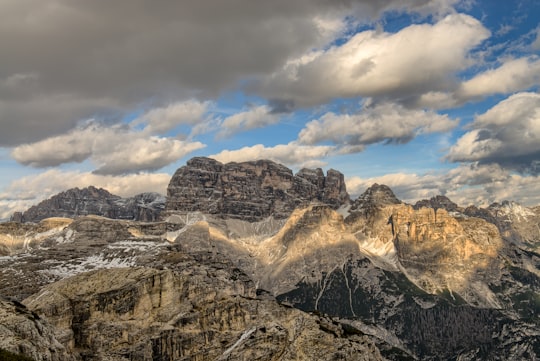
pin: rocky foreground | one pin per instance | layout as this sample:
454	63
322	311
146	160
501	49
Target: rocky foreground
251	262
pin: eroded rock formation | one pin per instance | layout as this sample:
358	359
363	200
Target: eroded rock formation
77	202
250	191
186	313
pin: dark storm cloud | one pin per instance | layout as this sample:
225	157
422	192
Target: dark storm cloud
63	60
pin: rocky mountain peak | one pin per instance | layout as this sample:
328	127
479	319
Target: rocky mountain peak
251	190
376	196
76	202
437	202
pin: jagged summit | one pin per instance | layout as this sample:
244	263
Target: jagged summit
437	202
77	202
376	196
251	190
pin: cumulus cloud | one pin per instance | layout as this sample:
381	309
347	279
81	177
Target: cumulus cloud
163	119
384	122
114	149
100	57
466	185
291	154
108	58
257	117
27	191
513	75
367	65
507	134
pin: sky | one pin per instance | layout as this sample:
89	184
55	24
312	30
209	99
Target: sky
426	96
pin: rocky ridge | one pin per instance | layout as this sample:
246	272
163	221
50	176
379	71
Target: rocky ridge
251	191
77	202
427	282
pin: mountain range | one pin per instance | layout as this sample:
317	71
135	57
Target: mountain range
248	261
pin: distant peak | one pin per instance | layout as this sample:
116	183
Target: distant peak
437	202
379	194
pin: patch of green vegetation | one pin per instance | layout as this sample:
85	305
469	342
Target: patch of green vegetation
10	356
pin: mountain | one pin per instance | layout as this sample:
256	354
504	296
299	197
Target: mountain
77	202
250	261
250	191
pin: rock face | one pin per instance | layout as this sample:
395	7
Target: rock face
438	202
186	313
77	202
250	191
25	332
517	224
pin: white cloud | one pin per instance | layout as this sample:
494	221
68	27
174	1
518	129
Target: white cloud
388	122
163	119
417	59
465	185
27	191
114	149
257	117
507	134
291	154
513	75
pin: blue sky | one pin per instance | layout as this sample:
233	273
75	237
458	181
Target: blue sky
427	96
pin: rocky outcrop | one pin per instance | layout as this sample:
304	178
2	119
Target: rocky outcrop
438	202
250	191
16	237
516	223
25	332
195	313
77	202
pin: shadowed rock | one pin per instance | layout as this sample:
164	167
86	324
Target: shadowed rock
250	191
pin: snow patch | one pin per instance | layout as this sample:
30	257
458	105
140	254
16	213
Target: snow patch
141	246
344	210
91	263
515	210
377	250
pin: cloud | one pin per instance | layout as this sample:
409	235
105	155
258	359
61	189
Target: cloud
366	65
384	122
67	60
163	119
257	117
513	75
470	184
114	149
27	191
291	154
508	134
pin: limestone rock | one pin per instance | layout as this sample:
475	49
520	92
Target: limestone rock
250	191
376	196
25	332
438	202
185	314
516	223
16	237
77	202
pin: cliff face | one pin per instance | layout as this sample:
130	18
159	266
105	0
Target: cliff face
77	202
186	313
250	191
25	332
